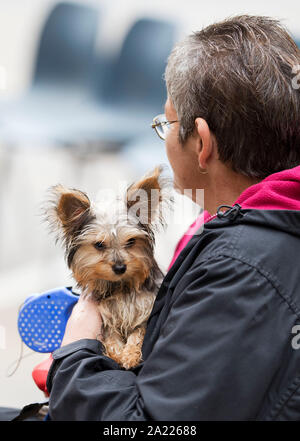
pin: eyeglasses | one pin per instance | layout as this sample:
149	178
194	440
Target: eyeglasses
161	125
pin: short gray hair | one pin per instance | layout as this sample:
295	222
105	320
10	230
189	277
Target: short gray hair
236	74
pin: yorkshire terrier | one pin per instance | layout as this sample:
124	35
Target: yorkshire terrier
110	251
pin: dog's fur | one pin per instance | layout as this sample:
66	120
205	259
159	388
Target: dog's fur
102	241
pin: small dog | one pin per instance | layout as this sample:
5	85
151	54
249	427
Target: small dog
110	251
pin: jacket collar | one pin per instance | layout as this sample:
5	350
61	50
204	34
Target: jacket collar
279	194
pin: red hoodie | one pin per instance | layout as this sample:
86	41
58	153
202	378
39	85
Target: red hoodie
279	191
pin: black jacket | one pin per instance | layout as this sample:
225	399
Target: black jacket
219	340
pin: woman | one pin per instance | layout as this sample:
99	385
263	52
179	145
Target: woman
220	339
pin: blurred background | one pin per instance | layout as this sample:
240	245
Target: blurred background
80	83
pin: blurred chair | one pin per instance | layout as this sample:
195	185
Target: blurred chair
128	91
62	75
66	47
107	104
136	78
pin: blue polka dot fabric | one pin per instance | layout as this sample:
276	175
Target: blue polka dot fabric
43	317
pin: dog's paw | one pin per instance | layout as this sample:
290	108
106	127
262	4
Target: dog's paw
130	358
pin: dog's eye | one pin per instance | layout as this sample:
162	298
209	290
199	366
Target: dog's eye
130	242
99	245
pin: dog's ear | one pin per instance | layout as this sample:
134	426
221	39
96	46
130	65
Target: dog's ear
68	209
147	197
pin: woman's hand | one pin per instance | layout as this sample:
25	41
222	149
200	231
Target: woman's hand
84	322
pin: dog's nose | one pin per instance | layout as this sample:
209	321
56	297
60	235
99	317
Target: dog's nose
119	268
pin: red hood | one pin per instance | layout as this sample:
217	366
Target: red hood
279	191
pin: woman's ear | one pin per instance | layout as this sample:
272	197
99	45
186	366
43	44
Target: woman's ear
205	142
